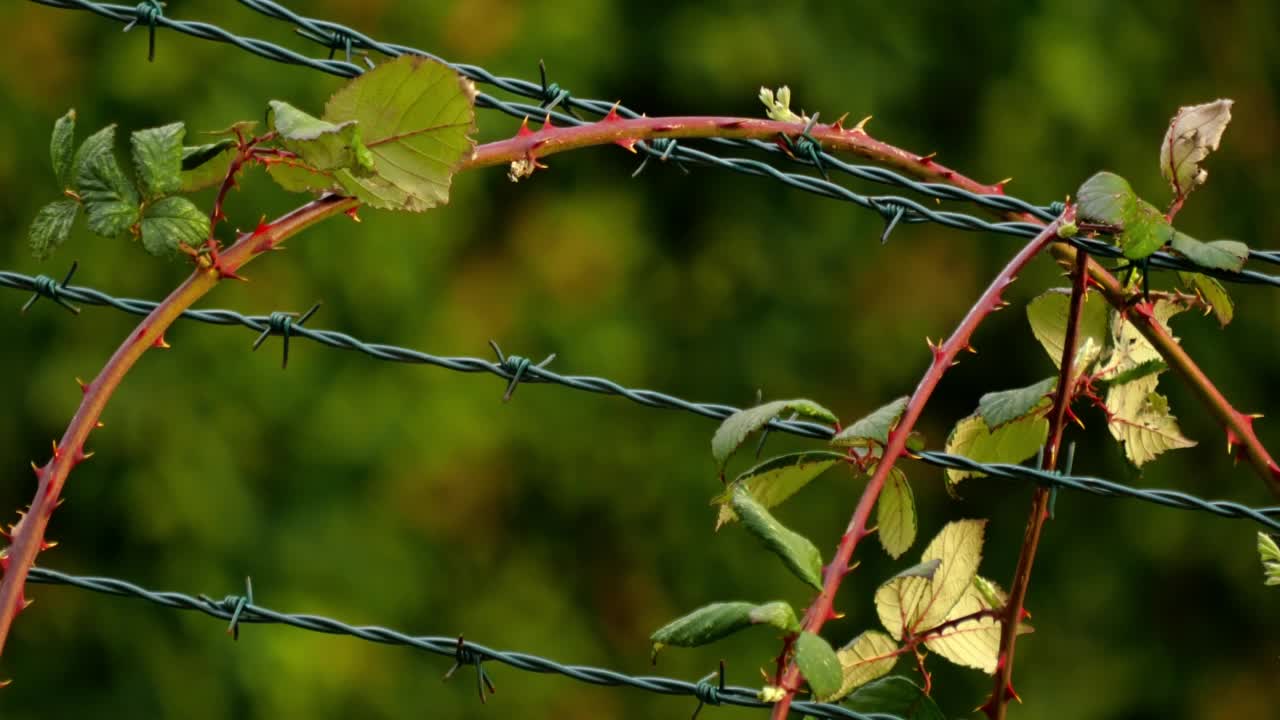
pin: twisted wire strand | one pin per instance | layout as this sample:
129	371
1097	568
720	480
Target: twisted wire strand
246	612
519	369
885	205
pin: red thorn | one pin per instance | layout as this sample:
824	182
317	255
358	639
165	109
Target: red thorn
524	128
48	545
35	467
1026	615
99	424
84	387
1075	418
262	227
6	683
352	214
731	125
613	114
1008	690
838	125
81	456
546	124
55	450
160	343
628	144
926	159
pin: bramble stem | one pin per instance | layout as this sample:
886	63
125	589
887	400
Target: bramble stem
28	536
944	356
997	705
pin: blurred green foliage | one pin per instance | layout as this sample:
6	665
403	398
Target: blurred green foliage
572	525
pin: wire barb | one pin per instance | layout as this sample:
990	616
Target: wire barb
466	656
235	605
516	367
148	12
553	94
46	286
283	324
707	693
662	149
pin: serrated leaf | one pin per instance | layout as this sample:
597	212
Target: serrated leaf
206	165
1047	314
896	514
1193	133
416	116
1129	349
1139	417
1137	372
896	696
900	599
717	620
870	655
1006	406
62	146
1106	198
819	665
52	227
959	547
1010	443
157	157
1212	292
320	144
110	200
796	551
296	176
1145	231
773	481
973	643
874	428
1216	255
171	221
1270	554
735	428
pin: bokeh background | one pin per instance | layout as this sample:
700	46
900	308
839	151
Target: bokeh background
572	525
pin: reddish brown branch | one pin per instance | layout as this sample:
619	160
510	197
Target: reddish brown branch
997	705
944	356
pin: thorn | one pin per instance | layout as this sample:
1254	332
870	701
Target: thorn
1004	182
35	467
86	455
524	128
99	425
838	125
55	449
927	159
546	123
160	343
1075	418
48	545
628	144
84	387
861	126
613	114
352	214
970	348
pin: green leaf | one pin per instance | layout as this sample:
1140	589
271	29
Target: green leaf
1139	417
320	144
1047	314
773	481
869	656
296	176
1129	349
110	201
713	622
1212	292
895	695
206	165
735	428
1006	406
171	221
61	146
1010	443
1216	255
416	116
1270	554
1106	198
874	428
1193	133
52	227
1137	372
1145	231
819	665
896	514
157	156
799	554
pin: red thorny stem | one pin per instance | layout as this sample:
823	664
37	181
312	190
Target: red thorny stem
27	537
997	705
944	356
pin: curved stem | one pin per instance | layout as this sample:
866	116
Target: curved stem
28	536
944	356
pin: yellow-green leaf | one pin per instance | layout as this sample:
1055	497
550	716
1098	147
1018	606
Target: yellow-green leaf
896	514
870	655
1213	293
773	481
1010	443
1047	314
1270	554
1140	418
973	643
901	599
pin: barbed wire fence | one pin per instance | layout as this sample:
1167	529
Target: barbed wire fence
551	100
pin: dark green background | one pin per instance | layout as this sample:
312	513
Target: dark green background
571	525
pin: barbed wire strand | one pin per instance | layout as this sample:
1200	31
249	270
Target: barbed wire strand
905	210
236	609
517	369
